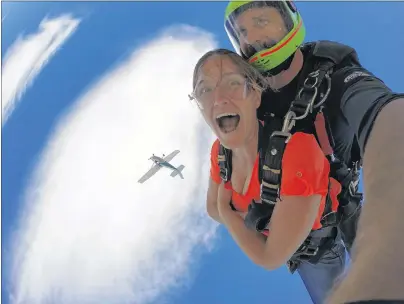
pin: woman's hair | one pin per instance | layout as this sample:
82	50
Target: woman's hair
254	77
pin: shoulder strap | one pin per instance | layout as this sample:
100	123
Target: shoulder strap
225	165
263	141
332	51
326	55
270	160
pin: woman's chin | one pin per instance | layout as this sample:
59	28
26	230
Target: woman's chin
231	140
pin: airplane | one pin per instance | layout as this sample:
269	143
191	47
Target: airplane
160	162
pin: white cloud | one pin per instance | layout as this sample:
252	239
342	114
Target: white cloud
90	232
28	55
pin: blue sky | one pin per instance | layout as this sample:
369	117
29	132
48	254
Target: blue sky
213	271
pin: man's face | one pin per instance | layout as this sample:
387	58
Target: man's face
259	28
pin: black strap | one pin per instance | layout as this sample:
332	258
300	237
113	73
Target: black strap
224	159
314	247
271	154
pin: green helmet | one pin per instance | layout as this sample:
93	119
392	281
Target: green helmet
267	33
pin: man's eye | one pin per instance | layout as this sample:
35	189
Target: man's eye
243	32
262	22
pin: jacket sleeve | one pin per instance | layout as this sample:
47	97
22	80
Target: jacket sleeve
360	96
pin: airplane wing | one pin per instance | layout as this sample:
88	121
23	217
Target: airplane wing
171	155
149	174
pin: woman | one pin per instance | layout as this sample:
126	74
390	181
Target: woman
228	92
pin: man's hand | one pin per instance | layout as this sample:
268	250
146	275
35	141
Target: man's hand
377	271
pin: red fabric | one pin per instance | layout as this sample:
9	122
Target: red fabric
305	172
322	134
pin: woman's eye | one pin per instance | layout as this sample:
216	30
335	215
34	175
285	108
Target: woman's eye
203	91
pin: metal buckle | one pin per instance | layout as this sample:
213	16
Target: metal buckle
353	187
325	220
309	107
224	172
306	251
314	87
324	98
292	266
288	124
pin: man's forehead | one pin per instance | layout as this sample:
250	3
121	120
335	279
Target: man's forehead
253	12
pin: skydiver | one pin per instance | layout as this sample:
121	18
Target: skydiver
364	121
302	231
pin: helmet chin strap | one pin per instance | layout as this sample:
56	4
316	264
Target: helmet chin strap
282	67
275	71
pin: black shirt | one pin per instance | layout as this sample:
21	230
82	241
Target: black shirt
355	99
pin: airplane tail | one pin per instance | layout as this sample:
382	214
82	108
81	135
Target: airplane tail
178	171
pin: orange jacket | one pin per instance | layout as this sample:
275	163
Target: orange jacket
305	172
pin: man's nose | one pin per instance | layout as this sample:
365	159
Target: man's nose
254	37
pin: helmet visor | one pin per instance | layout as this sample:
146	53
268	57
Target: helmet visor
260	25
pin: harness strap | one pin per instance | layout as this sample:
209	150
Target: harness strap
313	248
271	166
330	217
224	159
322	134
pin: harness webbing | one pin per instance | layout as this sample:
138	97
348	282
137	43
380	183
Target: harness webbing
322	135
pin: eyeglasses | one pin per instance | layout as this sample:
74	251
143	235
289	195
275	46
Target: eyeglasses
233	86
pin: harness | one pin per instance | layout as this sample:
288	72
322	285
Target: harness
307	114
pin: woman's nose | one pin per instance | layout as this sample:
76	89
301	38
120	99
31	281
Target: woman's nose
220	97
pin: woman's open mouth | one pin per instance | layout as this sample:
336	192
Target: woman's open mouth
228	122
